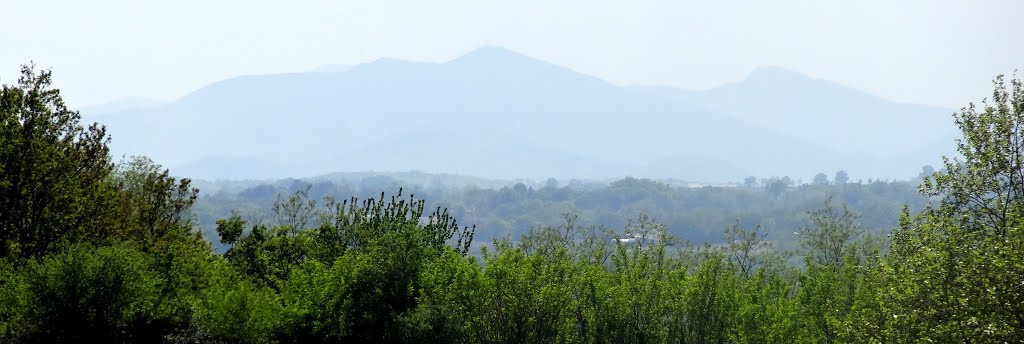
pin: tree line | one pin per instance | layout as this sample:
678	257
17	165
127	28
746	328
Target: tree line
93	251
694	214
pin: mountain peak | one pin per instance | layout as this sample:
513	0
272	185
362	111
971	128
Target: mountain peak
776	74
492	60
494	55
492	52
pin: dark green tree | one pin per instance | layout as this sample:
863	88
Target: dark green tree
52	170
89	294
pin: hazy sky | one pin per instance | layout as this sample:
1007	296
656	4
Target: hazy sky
933	52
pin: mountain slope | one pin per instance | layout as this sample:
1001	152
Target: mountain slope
123	104
820	111
491	113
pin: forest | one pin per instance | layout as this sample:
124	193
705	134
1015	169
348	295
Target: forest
97	251
507	211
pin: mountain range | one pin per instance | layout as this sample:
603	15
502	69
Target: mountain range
495	113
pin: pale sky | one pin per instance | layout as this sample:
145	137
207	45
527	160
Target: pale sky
930	52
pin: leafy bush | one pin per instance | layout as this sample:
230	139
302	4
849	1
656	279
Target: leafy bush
88	294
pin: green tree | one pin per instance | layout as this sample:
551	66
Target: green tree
60	194
361	262
956	267
153	207
511	315
750	250
828	238
449	305
233	309
838	256
52	170
13	300
708	305
89	294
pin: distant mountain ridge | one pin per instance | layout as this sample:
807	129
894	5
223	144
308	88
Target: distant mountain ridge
835	116
122	104
332	68
494	113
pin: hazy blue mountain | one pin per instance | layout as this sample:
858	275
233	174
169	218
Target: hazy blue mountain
716	169
826	113
332	68
491	113
122	104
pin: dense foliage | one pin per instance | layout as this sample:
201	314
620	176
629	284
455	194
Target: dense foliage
695	214
98	252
